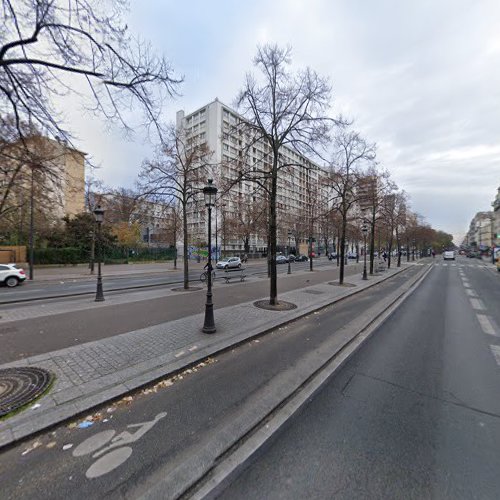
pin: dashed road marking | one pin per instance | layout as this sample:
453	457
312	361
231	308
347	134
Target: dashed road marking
193	348
179	354
470	292
477	304
487	325
495	349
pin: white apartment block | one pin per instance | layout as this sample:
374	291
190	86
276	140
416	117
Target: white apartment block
301	193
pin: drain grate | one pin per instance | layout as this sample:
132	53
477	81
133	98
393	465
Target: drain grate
20	386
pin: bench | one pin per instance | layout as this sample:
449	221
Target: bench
234	273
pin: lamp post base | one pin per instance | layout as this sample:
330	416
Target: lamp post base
209	323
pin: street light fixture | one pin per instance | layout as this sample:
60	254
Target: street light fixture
364	229
289	238
209	193
99	217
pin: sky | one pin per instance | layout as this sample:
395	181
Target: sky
419	78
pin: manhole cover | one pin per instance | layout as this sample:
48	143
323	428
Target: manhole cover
281	306
313	292
20	386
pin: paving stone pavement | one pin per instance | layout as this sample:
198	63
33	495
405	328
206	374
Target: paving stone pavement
92	373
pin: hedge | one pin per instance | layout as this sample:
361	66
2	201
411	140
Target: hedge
61	255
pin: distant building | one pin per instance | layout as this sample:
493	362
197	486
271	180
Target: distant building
496	219
301	191
52	169
480	234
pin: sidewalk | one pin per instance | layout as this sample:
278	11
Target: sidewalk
92	373
82	271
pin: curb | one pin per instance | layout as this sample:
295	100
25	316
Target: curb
56	415
219	460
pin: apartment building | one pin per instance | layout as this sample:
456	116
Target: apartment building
480	231
301	192
52	169
496	219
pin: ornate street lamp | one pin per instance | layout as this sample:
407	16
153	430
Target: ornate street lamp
99	217
209	193
289	238
364	229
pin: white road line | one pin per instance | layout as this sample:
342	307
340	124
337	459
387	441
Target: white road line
470	292
495	349
444	265
179	354
477	304
487	325
453	265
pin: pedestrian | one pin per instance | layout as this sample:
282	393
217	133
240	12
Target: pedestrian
384	255
433	254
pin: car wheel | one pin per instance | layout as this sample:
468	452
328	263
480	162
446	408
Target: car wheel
226	266
11	281
239	265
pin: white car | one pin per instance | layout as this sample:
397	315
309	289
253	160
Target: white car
11	275
449	254
228	262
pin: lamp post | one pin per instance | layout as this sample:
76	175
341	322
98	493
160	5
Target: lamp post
209	193
99	217
364	229
413	252
289	266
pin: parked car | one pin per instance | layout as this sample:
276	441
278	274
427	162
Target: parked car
228	262
291	257
352	255
449	255
11	275
301	258
332	256
281	259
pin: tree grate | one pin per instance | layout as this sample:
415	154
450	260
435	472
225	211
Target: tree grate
20	386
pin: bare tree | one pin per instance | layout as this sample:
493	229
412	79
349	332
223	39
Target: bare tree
46	45
351	153
285	109
373	186
180	167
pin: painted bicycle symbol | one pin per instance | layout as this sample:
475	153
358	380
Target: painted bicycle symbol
116	452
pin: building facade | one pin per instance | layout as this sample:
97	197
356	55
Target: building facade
241	215
480	233
496	219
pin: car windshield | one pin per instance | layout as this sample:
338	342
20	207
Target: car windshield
225	260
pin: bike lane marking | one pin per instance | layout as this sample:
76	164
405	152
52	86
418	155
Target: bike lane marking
117	450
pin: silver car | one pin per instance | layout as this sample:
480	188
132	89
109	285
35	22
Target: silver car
228	262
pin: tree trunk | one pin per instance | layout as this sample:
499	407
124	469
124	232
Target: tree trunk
273	291
372	242
310	250
185	249
342	248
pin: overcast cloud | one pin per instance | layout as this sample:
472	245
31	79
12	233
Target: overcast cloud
420	78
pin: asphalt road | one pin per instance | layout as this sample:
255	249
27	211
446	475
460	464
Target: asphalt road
62	463
415	413
40	290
